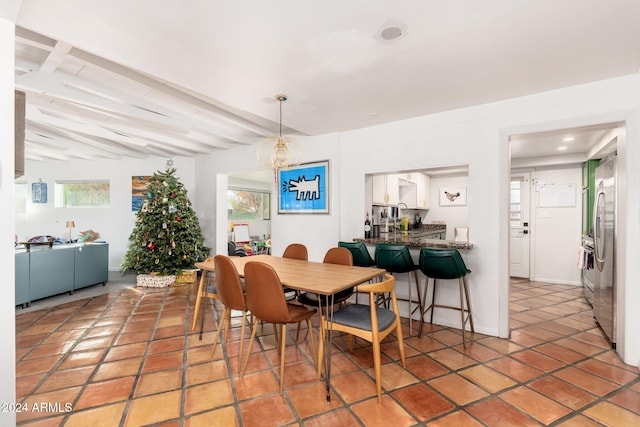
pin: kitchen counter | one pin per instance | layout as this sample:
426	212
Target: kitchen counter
416	242
418	238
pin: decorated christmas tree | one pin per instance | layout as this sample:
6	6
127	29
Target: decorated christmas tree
167	237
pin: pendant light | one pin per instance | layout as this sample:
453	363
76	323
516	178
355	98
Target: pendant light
281	152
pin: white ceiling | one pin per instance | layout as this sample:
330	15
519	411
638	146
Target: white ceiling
121	78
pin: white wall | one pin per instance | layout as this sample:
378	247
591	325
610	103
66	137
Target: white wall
317	232
115	223
556	231
7	307
453	216
477	137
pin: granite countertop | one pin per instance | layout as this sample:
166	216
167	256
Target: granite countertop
417	238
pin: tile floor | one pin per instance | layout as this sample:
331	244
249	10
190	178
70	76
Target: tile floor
127	358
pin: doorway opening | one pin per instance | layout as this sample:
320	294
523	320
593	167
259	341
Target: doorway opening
547	175
249	209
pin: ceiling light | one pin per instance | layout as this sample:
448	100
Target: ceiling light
391	33
562	148
281	152
568	139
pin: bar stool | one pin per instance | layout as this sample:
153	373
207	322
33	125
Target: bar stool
361	257
397	259
446	264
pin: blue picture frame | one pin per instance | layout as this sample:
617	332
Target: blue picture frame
39	192
304	189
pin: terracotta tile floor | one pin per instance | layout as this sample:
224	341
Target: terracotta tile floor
127	358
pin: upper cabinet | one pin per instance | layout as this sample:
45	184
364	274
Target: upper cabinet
423	190
379	189
412	189
393	191
408	192
385	190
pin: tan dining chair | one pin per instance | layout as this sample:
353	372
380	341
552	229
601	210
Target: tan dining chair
205	290
296	251
266	302
369	322
341	256
231	295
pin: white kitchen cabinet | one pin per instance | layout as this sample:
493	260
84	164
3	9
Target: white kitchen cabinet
408	192
379	189
423	190
385	190
393	189
410	177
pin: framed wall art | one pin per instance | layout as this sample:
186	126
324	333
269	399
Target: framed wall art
138	189
304	189
453	196
39	192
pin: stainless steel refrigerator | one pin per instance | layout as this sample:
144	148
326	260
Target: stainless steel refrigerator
604	239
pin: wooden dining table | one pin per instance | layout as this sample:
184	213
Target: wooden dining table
308	276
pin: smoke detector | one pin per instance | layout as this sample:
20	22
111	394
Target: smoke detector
391	33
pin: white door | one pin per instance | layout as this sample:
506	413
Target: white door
519	225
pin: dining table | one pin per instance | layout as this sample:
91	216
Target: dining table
309	276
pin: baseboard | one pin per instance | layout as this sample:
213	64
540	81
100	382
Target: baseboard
555	281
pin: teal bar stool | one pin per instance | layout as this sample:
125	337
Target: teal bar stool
360	254
397	259
446	264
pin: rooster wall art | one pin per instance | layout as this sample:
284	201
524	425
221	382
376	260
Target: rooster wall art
453	197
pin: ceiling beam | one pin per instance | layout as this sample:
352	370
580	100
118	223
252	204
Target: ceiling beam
55	57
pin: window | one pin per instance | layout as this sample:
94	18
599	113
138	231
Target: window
249	204
82	194
20	197
515	214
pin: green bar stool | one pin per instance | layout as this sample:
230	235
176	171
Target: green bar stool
397	259
360	254
446	264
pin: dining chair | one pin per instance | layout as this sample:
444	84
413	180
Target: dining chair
341	256
231	295
266	302
396	258
233	250
369	322
446	264
295	251
204	291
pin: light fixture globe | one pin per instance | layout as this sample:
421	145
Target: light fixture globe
279	152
